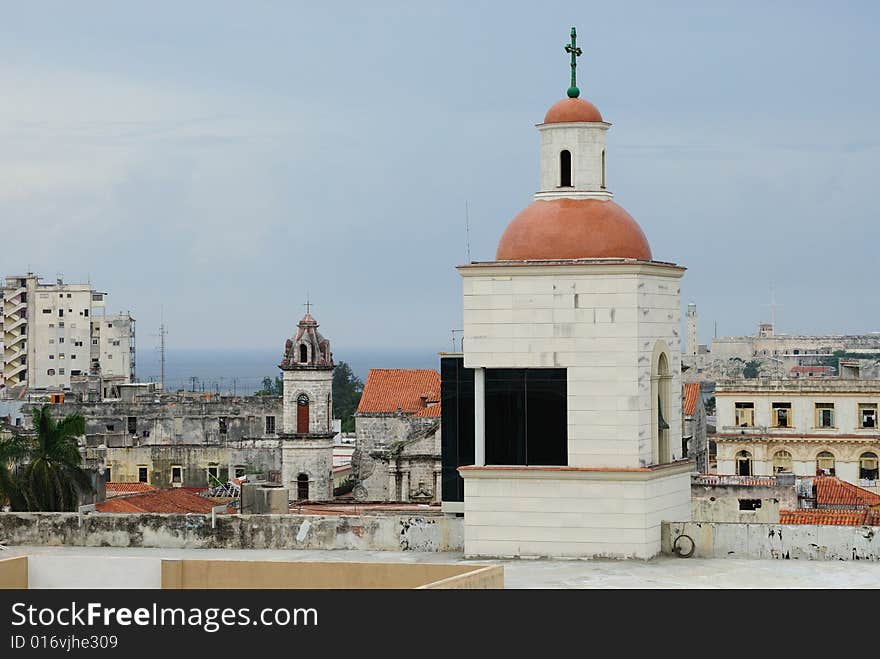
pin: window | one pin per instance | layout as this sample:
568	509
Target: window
111	427
51	340
750	504
132	425
603	169
51	356
782	462
239	471
526	417
270	425
107	477
303	354
744	414
61	313
743	463
145	433
47	311
94	342
60	324
73	356
868	415
824	415
782	415
86	313
213	475
61	340
109	324
868	469
60	371
825	464
302	413
221	422
565	169
142	474
302	487
177	476
75	372
50	371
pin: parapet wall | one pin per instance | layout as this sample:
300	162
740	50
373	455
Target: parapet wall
378	532
780	541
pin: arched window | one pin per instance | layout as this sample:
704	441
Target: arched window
660	381
868	469
303	353
302	487
782	462
565	169
743	463
603	169
302	413
825	464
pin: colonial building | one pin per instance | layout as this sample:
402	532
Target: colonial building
572	337
397	425
803	426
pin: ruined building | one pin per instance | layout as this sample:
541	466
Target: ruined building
397	455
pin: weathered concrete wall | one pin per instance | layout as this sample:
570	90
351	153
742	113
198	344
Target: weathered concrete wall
176	419
789	541
396	452
727	509
257	456
379	532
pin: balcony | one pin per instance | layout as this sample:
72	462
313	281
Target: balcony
12	370
11	323
10	309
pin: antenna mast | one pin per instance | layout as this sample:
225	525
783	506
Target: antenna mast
467	230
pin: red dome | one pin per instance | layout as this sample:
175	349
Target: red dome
572	109
573	229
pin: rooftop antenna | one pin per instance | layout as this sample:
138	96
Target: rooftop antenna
467	230
772	306
162	333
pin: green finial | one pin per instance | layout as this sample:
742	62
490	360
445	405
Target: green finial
573	91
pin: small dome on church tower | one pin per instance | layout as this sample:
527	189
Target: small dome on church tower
308	349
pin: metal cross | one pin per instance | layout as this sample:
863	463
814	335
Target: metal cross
573	91
308	306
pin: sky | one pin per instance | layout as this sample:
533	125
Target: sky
216	164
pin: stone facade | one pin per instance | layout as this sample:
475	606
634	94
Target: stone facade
397	457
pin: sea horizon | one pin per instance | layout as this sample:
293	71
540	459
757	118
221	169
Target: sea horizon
241	370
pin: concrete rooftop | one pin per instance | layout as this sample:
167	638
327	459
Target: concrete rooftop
660	572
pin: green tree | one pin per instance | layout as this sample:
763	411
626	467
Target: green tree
271	387
751	369
46	471
347	390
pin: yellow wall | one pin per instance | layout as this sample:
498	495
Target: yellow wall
14	572
187	574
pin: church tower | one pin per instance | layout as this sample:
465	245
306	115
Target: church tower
572	334
307	423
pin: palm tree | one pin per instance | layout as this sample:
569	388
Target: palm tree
49	476
13	451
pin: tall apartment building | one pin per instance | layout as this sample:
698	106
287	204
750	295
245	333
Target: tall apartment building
51	332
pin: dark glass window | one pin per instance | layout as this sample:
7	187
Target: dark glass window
526	417
457	421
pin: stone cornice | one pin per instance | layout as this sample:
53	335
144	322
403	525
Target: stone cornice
572	267
578	473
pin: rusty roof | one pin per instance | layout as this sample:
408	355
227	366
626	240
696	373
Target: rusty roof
161	501
865	517
115	489
408	390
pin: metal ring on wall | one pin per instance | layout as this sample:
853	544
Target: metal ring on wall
678	550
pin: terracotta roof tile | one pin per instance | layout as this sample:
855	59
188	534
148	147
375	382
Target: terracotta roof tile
160	501
430	412
690	396
115	489
865	517
393	389
831	491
